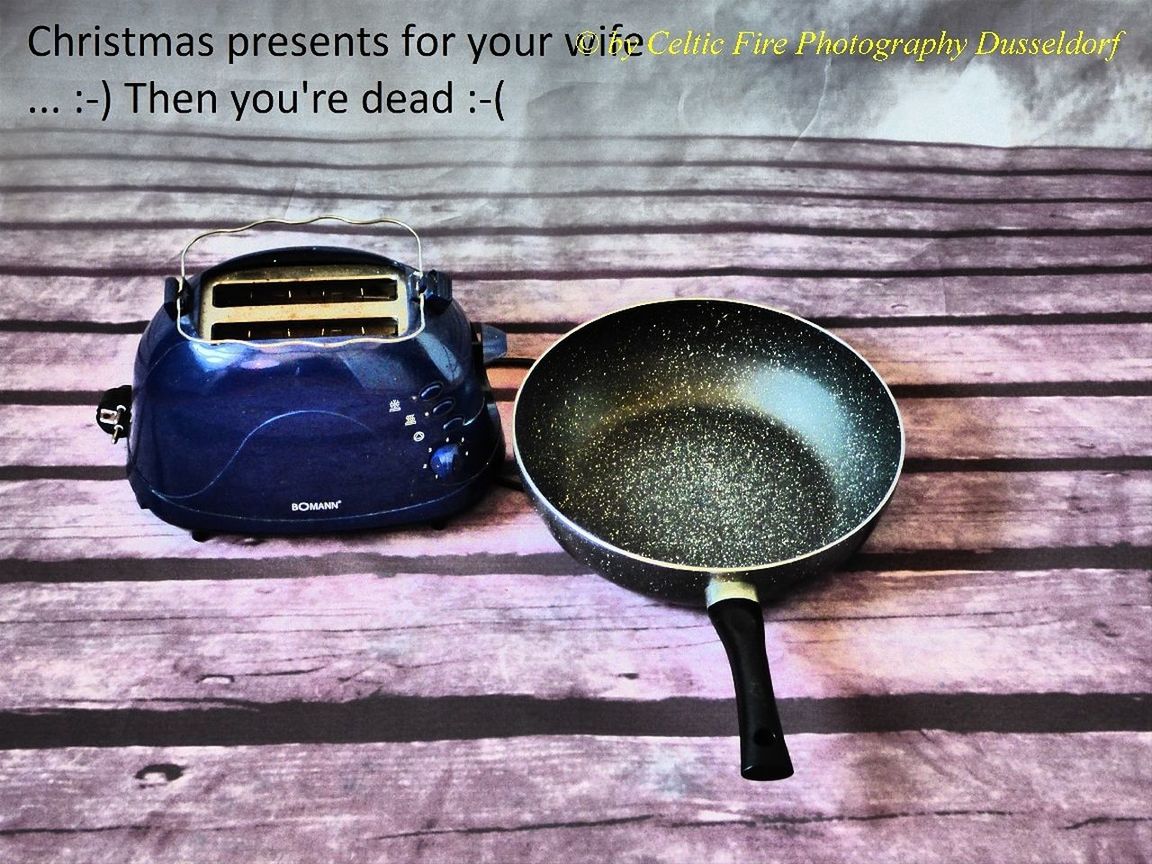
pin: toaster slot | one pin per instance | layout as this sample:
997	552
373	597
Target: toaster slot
274	292
305	302
304	329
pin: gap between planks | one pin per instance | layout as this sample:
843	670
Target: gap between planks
399	719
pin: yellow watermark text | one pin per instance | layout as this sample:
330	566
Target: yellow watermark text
936	46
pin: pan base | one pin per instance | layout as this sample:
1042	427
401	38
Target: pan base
702	486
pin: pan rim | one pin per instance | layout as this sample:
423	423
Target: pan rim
537	496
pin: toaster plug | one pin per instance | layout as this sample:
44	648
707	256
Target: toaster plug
114	413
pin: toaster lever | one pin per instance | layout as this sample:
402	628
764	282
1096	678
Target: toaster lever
437	290
175	296
114	413
493	342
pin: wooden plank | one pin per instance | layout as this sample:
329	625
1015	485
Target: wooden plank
981	428
891	155
129	297
935	355
916	355
466	178
1052	427
717	152
179	645
193	211
679	254
87	520
929	797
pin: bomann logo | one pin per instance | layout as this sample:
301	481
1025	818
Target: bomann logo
316	505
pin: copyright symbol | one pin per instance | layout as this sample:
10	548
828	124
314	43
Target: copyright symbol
587	42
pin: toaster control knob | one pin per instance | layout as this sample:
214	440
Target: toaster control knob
446	461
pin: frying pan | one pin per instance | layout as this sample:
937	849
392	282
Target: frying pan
710	452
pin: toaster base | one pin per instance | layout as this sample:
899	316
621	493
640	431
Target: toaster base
460	498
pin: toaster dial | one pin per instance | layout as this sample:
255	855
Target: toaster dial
446	461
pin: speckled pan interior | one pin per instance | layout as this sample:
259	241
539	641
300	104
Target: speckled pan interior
706	433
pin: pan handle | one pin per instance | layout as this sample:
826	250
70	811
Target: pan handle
735	612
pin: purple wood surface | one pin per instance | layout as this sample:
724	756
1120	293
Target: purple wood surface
367	633
922	796
973	687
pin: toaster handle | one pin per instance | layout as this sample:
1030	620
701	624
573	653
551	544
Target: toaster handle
493	342
177	305
382	220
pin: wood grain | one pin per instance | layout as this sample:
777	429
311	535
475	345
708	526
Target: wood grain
925	796
178	645
771	236
48	520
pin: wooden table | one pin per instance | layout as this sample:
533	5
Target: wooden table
974	688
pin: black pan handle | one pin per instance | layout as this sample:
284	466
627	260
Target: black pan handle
739	621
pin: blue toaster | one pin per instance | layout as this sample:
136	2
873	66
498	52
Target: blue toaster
309	389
